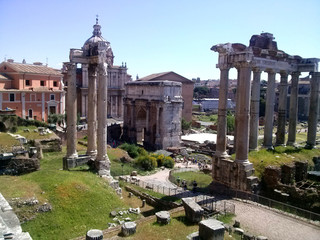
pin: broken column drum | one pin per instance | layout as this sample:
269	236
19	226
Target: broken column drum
96	56
262	54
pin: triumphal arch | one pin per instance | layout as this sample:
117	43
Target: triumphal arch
262	54
96	55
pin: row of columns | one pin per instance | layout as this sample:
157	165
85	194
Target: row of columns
97	114
248	118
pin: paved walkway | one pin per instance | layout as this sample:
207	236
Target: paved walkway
255	219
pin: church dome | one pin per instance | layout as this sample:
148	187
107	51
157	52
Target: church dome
97	42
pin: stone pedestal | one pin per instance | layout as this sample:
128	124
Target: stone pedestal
128	228
94	234
163	217
211	229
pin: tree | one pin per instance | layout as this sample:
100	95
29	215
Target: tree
200	92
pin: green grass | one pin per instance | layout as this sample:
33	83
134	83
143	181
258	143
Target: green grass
80	199
226	218
7	141
32	135
178	229
203	180
206	118
154	194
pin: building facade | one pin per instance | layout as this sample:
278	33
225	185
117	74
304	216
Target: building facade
34	91
187	89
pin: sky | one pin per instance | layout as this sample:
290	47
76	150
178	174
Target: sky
154	36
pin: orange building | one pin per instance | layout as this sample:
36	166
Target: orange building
34	91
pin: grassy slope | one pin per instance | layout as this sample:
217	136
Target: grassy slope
279	156
6	142
202	179
80	199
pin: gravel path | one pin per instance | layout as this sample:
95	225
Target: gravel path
260	221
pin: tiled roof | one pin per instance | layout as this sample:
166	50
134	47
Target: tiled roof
164	76
30	68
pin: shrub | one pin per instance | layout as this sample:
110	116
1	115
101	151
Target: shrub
14	129
142	151
160	160
168	162
185	125
147	162
131	149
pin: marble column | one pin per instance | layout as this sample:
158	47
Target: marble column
157	140
23	102
293	111
71	111
268	120
243	113
282	109
84	100
102	160
254	111
85	75
221	145
236	110
133	132
92	111
313	110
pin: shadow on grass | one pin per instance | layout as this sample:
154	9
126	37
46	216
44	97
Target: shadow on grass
184	220
287	150
149	212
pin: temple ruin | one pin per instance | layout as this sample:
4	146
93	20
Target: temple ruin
96	54
261	55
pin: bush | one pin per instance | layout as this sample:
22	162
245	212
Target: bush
14	129
160	160
168	162
147	162
185	125
131	149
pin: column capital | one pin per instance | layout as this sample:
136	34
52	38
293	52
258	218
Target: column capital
224	66
84	65
256	70
242	64
296	74
270	71
315	74
284	73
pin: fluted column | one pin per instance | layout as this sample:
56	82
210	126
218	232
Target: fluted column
242	115
102	161
236	110
157	142
282	109
293	111
71	111
221	146
313	110
84	100
268	125
254	111
92	111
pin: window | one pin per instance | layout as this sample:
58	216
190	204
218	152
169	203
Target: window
41	83
27	82
51	96
12	97
55	84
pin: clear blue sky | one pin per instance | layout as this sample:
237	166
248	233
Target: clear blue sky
155	36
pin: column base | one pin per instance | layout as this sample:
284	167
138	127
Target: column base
270	148
310	146
292	144
223	155
92	154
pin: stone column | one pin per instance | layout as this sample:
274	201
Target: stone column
84	75
117	106
268	120
102	160
157	141
71	111
43	105
282	109
242	115
236	110
313	110
133	132
92	111
254	111
221	146
293	111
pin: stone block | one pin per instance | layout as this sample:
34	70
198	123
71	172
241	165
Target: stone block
288	174
194	212
211	229
262	238
247	236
